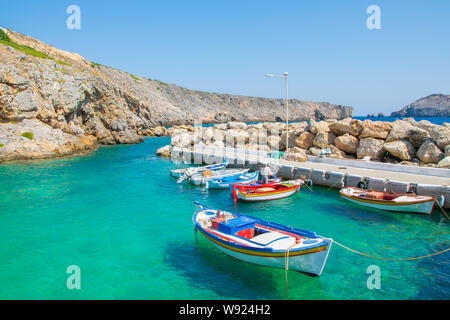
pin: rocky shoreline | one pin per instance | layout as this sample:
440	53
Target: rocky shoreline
404	141
68	104
434	105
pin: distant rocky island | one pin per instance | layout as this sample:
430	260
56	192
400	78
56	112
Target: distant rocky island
54	103
434	105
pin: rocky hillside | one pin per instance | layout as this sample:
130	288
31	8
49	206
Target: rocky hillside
435	105
53	102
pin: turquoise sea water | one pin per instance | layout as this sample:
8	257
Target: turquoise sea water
118	215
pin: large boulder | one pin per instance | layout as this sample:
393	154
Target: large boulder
407	130
429	152
321	126
298	156
236	138
347	125
182	140
375	129
127	137
160	131
291	139
237	125
417	136
347	143
305	140
221	126
321	139
298	127
440	134
274	127
403	149
207	134
370	147
274	142
400	131
164	152
444	163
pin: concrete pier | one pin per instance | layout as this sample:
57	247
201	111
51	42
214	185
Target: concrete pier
332	175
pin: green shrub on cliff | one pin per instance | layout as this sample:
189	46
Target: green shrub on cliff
4	36
1	145
28	135
4	39
63	63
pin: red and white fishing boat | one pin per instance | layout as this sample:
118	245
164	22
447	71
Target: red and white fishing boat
391	201
262	242
265	192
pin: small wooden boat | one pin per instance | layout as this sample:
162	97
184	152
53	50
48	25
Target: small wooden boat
391	201
264	192
262	242
178	173
227	181
202	178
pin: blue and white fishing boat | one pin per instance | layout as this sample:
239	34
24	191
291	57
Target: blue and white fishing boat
206	176
262	242
179	173
226	182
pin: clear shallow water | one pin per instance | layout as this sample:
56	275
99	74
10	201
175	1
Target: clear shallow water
118	215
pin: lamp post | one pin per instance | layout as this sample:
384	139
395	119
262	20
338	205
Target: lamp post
285	77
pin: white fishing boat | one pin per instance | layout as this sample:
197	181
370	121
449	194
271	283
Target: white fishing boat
391	201
202	178
178	173
262	242
226	182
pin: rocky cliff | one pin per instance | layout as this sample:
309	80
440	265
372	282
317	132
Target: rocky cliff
435	105
70	104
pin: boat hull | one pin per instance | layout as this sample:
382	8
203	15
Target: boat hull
311	263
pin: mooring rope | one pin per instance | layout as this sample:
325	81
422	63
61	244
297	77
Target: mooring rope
336	183
304	179
442	209
379	258
286	267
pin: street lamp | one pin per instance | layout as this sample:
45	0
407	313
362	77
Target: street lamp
285	77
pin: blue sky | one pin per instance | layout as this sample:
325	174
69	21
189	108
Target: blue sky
228	46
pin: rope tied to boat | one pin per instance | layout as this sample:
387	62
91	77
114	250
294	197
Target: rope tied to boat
386	259
442	209
286	266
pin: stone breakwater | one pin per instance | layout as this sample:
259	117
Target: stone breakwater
404	141
70	104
